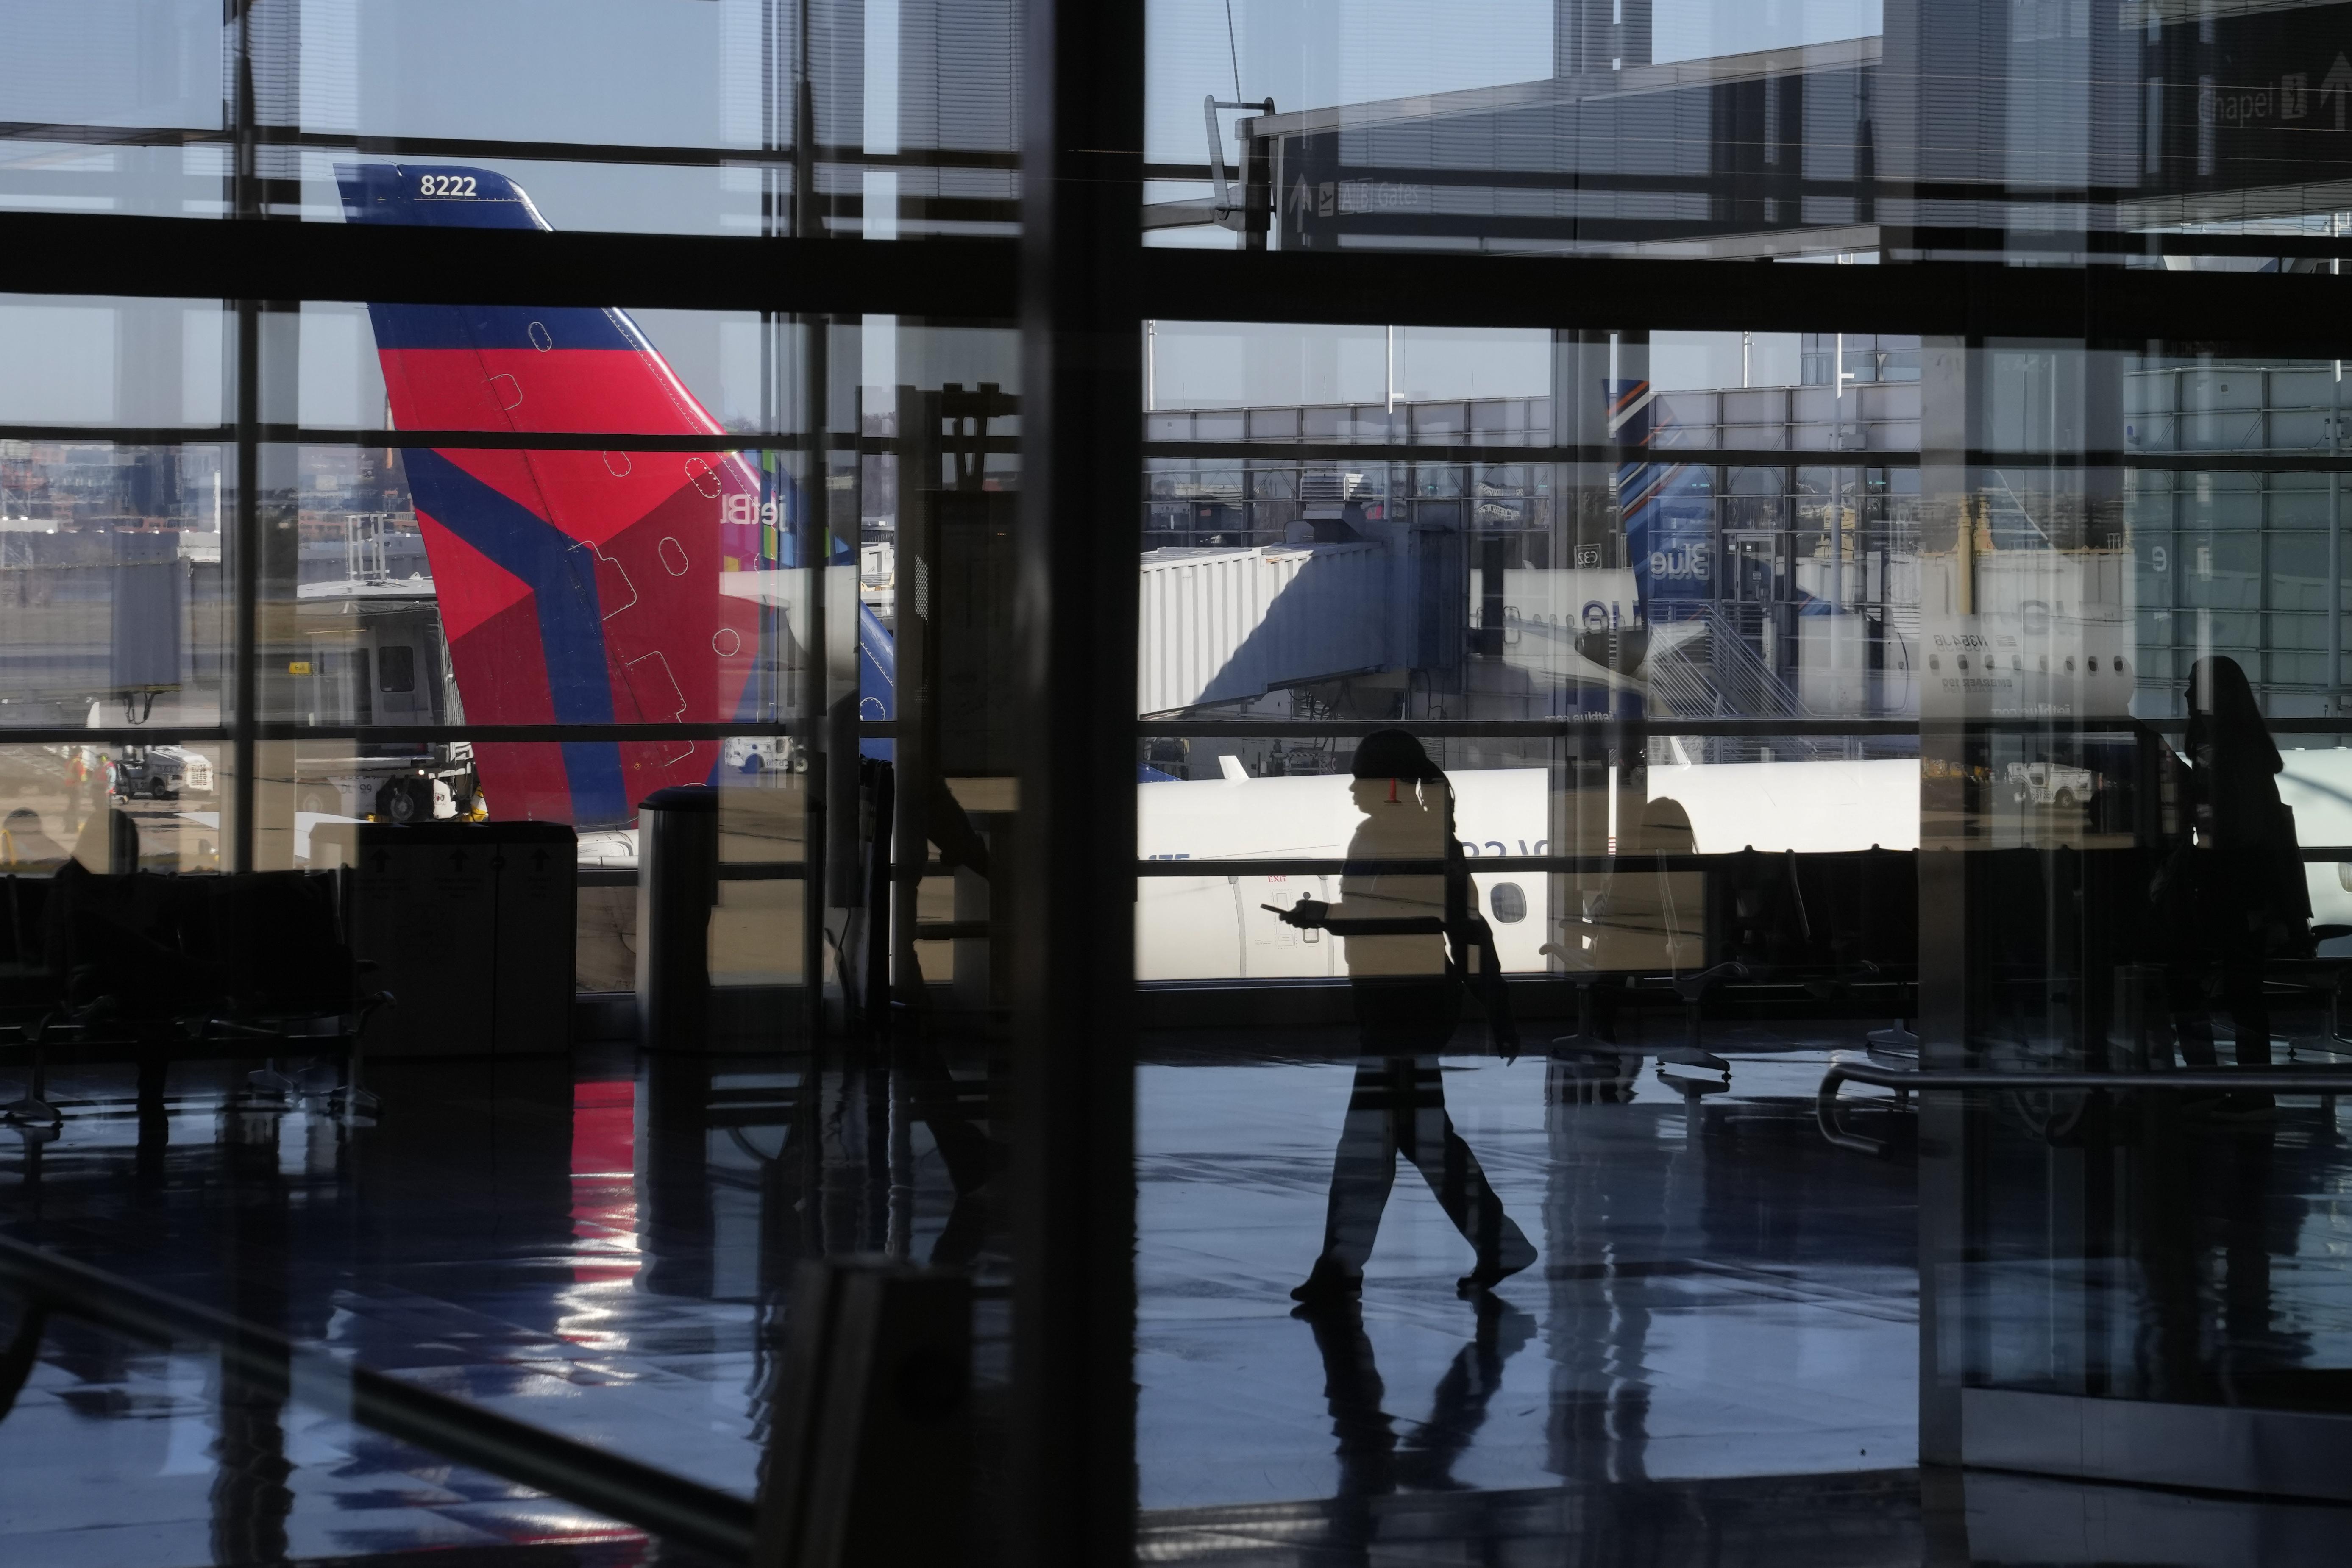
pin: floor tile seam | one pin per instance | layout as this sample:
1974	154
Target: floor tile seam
1728	1293
1678	1267
1789	1277
1887	1477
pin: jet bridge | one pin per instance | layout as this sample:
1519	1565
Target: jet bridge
1220	625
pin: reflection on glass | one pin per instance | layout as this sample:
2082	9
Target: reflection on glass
111	804
1975	704
623	525
1753	531
1844	131
762	118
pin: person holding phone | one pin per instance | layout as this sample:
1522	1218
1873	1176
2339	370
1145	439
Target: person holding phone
2237	896
1407	986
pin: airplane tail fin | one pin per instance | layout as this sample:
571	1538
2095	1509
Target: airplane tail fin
877	680
579	583
1668	512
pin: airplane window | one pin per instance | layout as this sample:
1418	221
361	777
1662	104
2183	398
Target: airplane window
397	665
1508	901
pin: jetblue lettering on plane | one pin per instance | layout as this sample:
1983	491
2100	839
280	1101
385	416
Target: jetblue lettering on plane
739	508
1681	563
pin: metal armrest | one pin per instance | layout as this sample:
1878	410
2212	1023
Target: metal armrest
1844	1068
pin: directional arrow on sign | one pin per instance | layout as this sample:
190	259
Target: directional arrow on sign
2337	84
457	858
382	859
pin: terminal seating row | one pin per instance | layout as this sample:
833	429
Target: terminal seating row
1751	936
153	966
1763	937
1760	937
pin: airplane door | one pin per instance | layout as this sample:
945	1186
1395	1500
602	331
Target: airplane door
396	677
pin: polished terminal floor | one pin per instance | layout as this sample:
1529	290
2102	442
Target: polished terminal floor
1714	1359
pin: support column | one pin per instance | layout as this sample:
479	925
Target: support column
1074	1178
1949	819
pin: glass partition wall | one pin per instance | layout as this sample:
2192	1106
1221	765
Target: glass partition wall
1761	734
383	597
1737	641
570	472
1868	773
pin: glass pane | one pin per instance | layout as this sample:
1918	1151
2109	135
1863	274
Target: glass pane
700	550
601	1251
224	1461
752	117
430	556
1556	748
55	801
1504	686
1841	131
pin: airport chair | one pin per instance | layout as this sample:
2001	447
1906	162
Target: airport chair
195	967
1690	989
1787	935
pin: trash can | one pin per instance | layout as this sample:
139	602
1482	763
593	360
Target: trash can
473	927
677	885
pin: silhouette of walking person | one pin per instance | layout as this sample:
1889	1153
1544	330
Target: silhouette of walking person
1375	1461
1408	998
2238	894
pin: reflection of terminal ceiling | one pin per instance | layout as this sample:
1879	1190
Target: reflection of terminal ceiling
1960	128
2135	14
1589	87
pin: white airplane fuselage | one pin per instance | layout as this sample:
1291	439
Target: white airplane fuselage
1213	927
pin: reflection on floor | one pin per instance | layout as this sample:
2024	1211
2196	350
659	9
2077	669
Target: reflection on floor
1716	1347
1868	1518
1720	1293
583	1247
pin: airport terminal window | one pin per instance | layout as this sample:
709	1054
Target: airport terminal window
1680	711
1703	131
760	118
319	568
1806	801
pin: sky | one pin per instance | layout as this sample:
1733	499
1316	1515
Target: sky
686	73
1308	54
